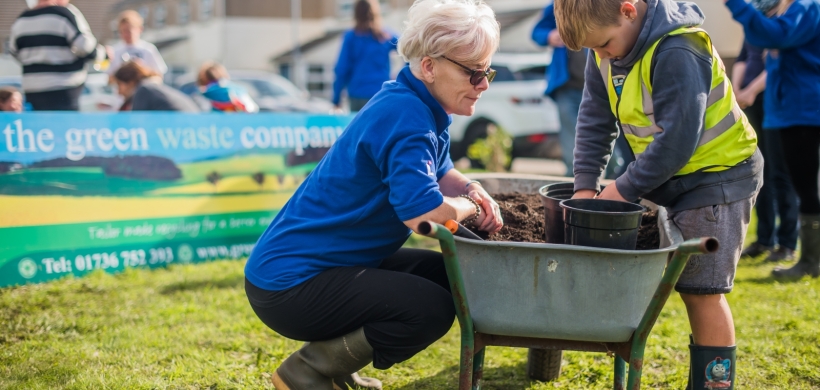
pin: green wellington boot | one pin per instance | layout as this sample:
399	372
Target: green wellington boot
313	366
712	367
809	263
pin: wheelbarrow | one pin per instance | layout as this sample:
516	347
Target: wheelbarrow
559	297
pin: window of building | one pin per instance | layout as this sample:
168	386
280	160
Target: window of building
183	12
206	9
160	15
320	80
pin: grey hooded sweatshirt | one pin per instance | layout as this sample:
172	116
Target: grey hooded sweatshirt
681	80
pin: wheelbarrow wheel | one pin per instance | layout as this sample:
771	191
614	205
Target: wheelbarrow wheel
544	364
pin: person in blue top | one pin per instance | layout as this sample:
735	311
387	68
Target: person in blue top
777	197
330	269
791	106
565	85
364	60
224	96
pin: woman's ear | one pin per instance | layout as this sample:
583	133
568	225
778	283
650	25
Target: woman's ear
428	69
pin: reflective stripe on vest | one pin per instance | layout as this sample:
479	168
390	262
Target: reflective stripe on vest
724	120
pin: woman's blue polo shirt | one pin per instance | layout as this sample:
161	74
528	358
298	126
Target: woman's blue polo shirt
384	169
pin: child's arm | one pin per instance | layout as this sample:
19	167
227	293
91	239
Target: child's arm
681	82
798	26
595	132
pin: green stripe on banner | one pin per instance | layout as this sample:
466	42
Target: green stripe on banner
41	267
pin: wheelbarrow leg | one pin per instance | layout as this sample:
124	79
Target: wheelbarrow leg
620	372
465	372
478	368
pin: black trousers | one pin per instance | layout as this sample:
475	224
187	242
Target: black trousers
801	146
60	100
777	197
404	305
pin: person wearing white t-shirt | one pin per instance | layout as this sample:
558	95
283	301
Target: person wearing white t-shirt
132	48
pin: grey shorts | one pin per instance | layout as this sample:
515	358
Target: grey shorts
713	273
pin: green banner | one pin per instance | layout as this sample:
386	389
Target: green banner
80	192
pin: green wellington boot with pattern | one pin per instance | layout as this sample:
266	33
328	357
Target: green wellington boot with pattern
327	365
712	367
809	263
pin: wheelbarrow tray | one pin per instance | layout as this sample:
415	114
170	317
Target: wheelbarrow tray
558	291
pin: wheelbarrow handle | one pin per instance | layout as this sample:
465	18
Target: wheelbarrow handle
465	320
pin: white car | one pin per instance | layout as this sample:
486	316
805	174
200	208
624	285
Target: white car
98	95
514	102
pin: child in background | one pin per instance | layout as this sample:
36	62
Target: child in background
132	48
214	82
11	100
658	76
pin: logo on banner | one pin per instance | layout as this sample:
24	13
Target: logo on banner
27	268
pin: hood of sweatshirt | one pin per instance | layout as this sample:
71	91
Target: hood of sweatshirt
662	17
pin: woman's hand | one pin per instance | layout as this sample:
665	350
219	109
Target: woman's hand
490	218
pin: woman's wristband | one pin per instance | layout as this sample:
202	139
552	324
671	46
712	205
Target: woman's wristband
477	209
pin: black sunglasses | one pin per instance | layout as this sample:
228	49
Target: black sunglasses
476	74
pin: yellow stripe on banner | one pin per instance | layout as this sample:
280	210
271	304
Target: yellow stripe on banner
51	210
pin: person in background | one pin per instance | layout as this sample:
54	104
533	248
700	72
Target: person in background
565	85
364	60
330	269
777	197
11	100
565	80
53	42
792	37
143	90
214	82
132	47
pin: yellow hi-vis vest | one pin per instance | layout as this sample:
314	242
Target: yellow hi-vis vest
727	139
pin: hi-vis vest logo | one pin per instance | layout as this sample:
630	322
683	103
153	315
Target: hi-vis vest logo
430	170
618	83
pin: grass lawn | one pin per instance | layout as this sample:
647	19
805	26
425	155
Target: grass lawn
190	327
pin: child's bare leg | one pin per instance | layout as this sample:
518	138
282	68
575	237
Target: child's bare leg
711	319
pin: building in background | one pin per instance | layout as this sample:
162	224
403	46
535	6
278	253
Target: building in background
259	34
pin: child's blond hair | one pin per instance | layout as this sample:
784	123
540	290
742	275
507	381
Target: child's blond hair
131	18
576	18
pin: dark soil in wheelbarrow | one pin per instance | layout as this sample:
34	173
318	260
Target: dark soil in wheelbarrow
524	221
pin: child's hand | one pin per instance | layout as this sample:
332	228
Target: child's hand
584	194
611	193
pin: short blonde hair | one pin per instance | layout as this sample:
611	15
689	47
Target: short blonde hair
576	18
131	18
439	27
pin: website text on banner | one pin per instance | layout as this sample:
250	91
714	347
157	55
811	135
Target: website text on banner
82	192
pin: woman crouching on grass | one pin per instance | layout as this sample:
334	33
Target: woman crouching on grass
330	269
